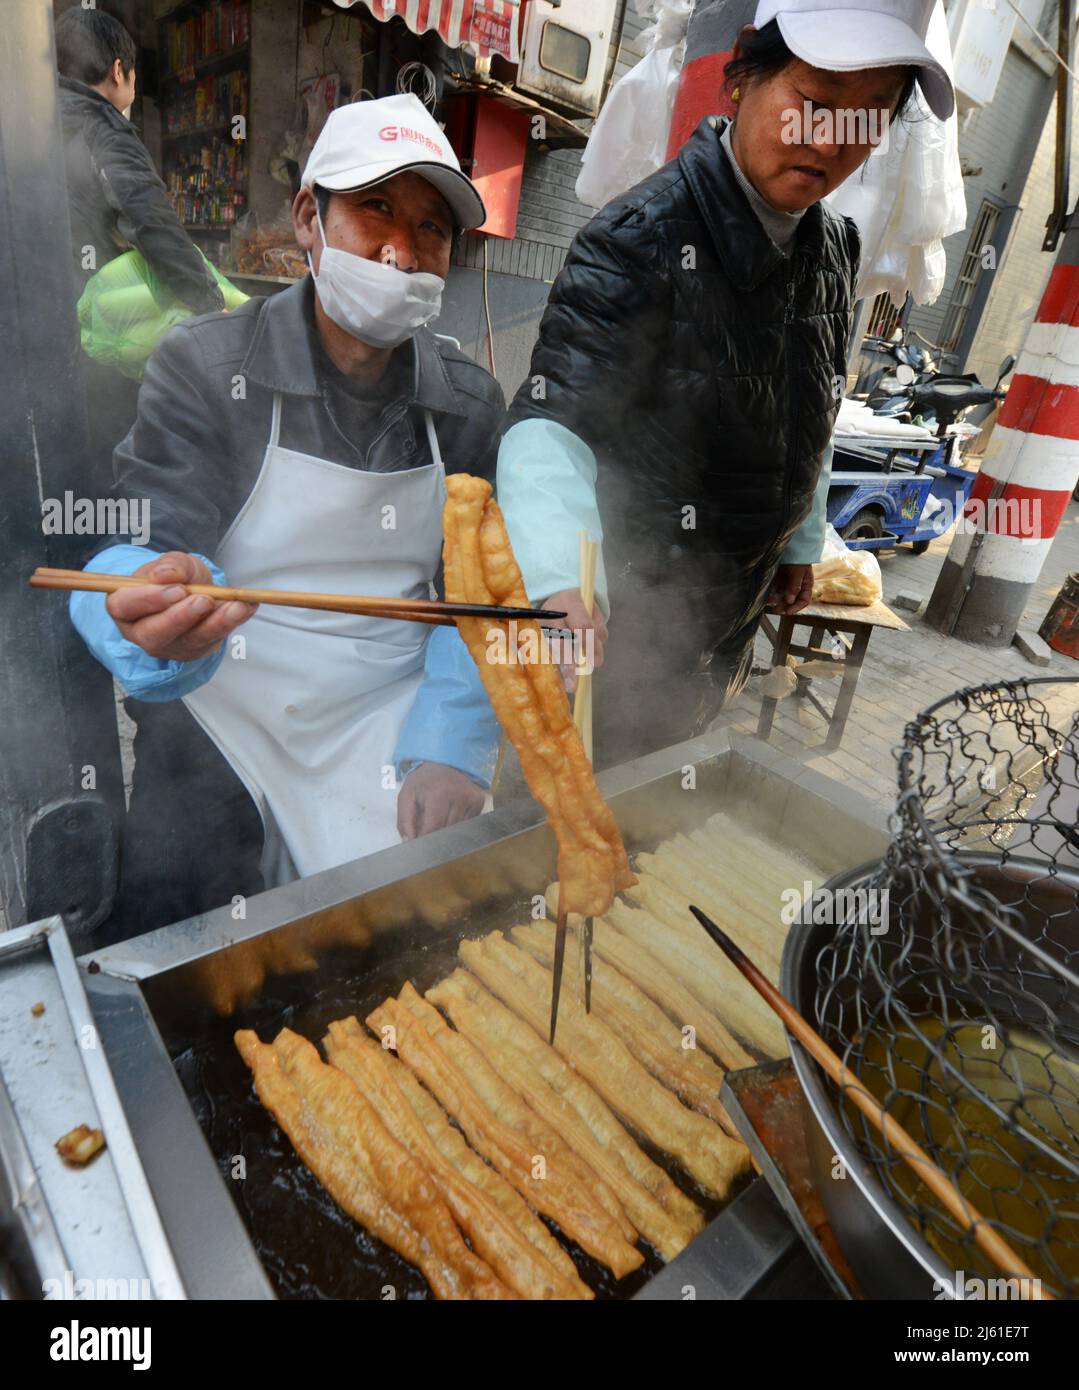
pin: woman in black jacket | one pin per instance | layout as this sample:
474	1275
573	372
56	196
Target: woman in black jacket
116	200
690	365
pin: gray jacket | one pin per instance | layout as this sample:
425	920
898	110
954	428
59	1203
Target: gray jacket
205	413
117	200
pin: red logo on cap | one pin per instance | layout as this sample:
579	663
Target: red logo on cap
417	137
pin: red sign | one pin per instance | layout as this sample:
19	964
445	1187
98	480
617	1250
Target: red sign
490	30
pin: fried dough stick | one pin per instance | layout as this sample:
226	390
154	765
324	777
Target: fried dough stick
645	1029
762	871
502	1101
653	978
700	1146
753	910
530	700
662	1213
451	1144
778	865
708	973
663	984
753	921
494	1238
757	870
503	1138
363	1168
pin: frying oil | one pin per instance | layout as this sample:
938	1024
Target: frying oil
1032	1198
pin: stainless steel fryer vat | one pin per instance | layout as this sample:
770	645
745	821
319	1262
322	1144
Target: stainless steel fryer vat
158	996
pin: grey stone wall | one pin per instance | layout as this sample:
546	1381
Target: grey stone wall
520	271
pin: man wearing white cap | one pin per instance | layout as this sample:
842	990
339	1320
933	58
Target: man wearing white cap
302	442
693	355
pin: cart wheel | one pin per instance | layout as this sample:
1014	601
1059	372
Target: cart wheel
866	526
920	547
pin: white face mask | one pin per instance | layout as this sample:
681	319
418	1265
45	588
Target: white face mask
376	303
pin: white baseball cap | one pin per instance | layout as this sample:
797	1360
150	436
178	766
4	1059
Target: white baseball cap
843	35
369	141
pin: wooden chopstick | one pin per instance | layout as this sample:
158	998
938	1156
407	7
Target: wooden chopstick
934	1177
582	718
582	703
110	583
409	610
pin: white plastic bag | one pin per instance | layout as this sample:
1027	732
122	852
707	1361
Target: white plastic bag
907	197
629	139
846	576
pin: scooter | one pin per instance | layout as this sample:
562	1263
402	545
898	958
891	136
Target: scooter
883	495
939	400
902	353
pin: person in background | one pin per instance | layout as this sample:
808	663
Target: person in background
116	201
302	442
690	365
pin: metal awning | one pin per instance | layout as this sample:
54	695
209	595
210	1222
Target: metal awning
484	26
559	132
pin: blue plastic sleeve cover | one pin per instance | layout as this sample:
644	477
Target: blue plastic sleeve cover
547	492
144	677
807	544
451	720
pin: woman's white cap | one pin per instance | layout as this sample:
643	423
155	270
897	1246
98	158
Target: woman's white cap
369	141
845	35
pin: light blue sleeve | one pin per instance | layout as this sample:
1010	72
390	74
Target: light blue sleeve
807	544
547	492
451	720
144	677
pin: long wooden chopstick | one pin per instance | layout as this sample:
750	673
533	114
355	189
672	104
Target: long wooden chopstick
582	703
582	717
409	610
109	584
934	1177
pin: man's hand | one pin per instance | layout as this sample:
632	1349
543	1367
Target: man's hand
576	618
164	620
792	588
433	796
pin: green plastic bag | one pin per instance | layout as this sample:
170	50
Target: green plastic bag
125	311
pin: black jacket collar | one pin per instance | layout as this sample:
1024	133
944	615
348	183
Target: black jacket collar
283	357
72	88
83	89
745	249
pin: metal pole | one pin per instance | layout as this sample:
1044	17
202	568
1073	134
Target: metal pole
1027	477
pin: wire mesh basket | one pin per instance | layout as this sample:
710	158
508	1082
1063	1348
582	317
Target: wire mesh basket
951	987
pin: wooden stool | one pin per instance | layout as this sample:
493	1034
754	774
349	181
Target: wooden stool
853	627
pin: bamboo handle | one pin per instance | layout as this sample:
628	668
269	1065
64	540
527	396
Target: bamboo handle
582	704
935	1178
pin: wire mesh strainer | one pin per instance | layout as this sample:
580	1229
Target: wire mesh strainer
951	987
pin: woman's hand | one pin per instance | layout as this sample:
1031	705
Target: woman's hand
167	622
792	588
581	622
434	795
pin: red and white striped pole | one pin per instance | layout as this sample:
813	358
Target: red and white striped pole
713	28
1027	477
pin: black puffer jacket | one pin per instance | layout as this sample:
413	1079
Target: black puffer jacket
700	365
117	200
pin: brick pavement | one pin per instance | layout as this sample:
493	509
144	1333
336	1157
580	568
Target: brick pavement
906	671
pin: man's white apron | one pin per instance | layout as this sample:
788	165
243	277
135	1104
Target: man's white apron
307	706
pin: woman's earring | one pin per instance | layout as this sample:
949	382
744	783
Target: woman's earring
736	94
